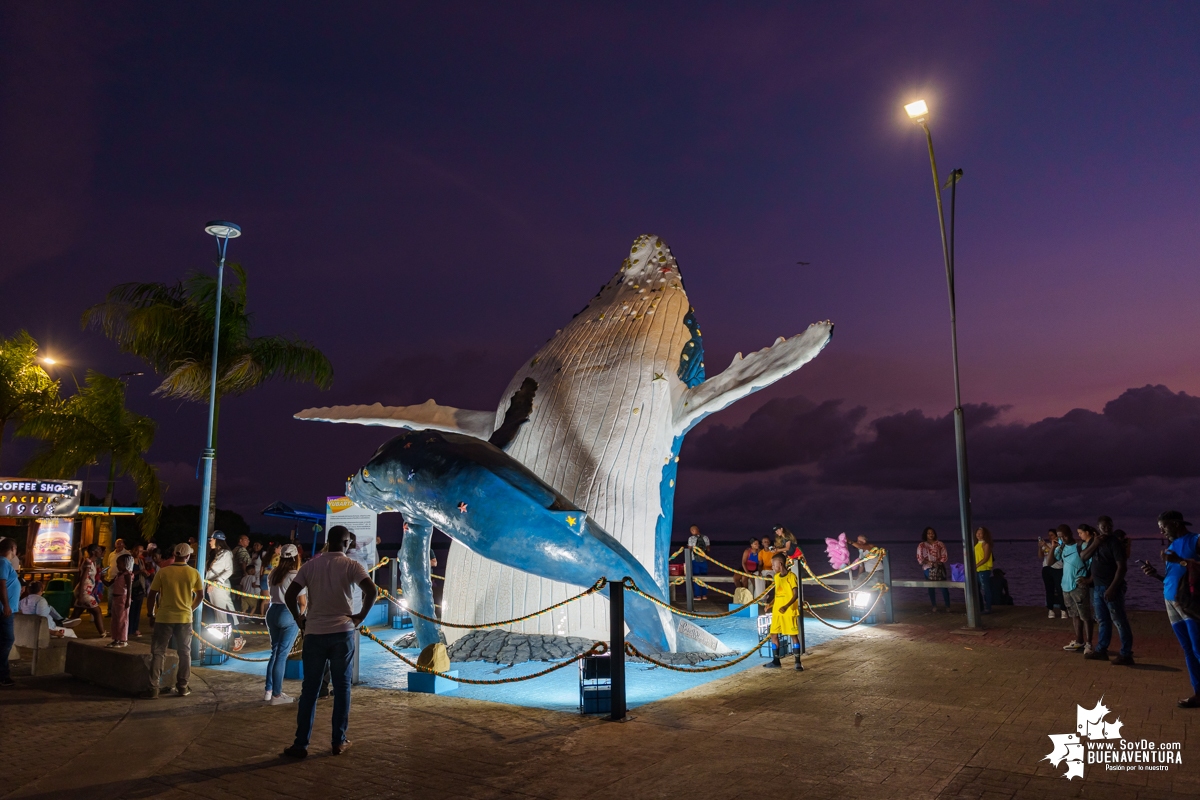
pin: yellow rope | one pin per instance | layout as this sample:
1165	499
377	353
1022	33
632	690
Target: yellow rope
597	649
234	613
231	590
633	651
713	588
711	560
597	586
872	553
631	586
207	643
826	605
861	619
677	552
829	588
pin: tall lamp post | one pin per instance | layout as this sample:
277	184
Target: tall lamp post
224	231
918	112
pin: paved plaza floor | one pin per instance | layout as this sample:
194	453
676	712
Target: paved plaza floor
917	709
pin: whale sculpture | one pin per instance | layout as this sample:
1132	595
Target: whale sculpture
482	498
617	389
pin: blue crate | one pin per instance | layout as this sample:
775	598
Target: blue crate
212	658
429	683
402	621
293	669
596	700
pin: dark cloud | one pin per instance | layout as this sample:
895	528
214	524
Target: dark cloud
785	431
1131	460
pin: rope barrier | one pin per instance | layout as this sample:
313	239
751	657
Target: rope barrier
872	553
828	588
712	588
231	590
234	613
633	651
207	643
631	586
597	586
861	619
597	649
697	551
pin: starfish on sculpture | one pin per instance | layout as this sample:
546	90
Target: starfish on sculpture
462	507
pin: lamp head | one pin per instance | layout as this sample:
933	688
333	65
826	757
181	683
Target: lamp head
48	361
917	111
223	229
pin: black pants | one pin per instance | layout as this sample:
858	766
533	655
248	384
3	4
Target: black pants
1053	579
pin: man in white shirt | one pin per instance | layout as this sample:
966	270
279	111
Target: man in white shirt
34	604
330	628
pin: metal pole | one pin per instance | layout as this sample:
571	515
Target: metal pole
888	610
392	567
354	681
210	451
687	571
616	649
960	438
800	601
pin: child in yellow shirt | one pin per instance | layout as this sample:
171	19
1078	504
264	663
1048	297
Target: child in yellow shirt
785	612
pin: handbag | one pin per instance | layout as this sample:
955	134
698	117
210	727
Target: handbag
937	572
1187	596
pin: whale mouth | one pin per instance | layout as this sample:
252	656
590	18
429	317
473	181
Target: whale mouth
377	498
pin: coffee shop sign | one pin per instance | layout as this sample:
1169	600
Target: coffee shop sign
39	498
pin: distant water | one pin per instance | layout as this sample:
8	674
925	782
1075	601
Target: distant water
1018	558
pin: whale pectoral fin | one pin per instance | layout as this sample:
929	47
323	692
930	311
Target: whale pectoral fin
520	406
747	375
426	416
573	520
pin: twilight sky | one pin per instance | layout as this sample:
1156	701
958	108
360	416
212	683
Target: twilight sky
429	190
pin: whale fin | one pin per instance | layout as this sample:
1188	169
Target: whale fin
520	406
747	375
426	416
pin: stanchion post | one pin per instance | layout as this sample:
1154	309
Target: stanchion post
616	648
888	610
393	566
799	601
687	570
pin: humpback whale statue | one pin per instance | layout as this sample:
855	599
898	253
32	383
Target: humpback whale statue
613	394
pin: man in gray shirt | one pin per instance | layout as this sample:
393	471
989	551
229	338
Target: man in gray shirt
330	634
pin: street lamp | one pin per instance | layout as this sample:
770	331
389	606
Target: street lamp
223	231
918	112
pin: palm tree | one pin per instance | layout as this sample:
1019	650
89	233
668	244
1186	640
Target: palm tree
170	327
90	425
25	388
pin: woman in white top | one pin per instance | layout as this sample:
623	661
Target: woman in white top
281	623
1052	574
220	570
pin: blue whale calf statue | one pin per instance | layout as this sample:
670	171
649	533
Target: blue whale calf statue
475	493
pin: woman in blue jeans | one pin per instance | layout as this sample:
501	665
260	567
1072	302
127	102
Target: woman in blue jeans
281	623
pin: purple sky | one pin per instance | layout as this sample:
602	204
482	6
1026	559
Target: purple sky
428	193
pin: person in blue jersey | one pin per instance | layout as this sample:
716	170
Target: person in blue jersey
1181	583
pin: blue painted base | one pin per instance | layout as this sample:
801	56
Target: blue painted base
212	658
430	683
293	669
750	611
402	622
378	614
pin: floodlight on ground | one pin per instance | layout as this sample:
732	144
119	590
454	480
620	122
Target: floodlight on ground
218	631
223	229
917	110
861	599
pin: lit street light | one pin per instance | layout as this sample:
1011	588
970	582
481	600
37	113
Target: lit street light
224	231
918	112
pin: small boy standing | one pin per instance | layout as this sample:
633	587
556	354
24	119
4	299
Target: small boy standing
785	612
249	585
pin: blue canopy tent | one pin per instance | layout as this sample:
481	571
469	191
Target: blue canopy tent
299	513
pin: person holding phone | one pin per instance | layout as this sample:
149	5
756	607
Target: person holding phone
1052	574
1183	563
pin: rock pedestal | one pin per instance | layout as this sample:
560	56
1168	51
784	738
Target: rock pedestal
122	669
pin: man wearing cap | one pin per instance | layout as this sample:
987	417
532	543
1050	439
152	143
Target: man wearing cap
329	625
175	593
1183	559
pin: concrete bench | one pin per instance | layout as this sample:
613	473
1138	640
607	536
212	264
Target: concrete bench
122	669
49	653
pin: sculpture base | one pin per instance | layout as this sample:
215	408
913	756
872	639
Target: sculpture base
429	683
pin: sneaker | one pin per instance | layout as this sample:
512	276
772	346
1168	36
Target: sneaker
182	691
1123	661
267	696
150	694
1062	614
295	752
1096	655
338	749
282	700
775	664
7	682
1088	649
70	623
1050	613
1075	647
